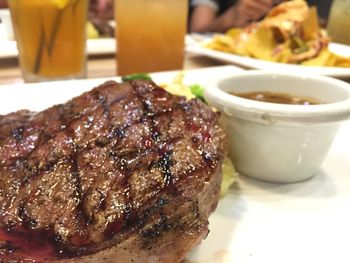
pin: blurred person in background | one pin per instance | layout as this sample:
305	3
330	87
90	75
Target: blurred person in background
220	15
101	13
102	8
323	9
3	4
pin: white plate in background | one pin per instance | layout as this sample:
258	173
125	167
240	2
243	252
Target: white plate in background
256	222
6	29
196	47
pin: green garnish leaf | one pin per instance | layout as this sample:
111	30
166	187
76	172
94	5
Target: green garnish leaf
141	76
197	90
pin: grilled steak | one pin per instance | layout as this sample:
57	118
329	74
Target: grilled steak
123	173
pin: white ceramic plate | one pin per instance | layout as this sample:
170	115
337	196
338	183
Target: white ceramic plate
196	46
256	222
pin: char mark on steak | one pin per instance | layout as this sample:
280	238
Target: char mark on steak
124	170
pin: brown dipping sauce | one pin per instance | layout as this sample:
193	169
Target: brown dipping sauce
275	97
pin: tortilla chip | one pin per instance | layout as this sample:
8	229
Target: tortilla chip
222	43
261	44
282	53
234	32
310	25
342	61
324	58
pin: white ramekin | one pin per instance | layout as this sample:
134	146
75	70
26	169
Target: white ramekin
279	142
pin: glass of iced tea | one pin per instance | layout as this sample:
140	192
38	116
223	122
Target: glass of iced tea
51	38
150	35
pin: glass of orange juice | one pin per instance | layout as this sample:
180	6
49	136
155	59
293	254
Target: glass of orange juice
51	38
150	35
